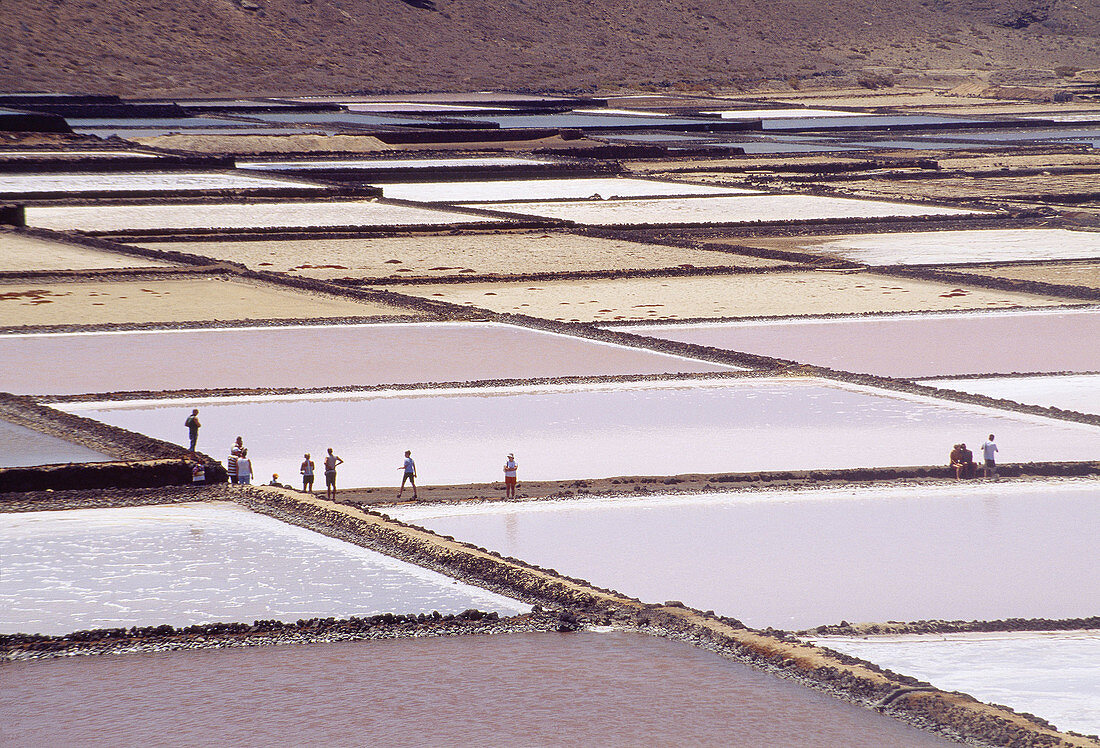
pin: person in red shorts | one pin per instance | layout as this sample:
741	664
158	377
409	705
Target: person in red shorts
510	468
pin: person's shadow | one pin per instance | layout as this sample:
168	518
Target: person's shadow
422	4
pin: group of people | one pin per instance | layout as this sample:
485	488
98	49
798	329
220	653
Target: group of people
962	460
330	463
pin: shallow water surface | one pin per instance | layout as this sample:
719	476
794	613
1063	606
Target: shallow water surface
23	447
591	431
548	189
502	690
199	563
993	342
355	355
1050	674
1080	392
797	559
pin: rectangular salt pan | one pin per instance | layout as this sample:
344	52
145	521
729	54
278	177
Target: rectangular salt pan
750	114
73	363
798	559
548	189
141	181
736	209
1049	674
950	247
199	563
393	163
562	432
24	447
304	214
1079	392
995	342
494	690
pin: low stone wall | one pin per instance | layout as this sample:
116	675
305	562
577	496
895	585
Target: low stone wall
91	475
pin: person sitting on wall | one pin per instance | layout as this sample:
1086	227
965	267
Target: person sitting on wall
956	460
969	468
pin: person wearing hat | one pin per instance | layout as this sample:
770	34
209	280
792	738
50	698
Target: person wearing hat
510	468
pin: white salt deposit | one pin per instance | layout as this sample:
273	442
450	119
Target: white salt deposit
140	182
798	559
548	189
392	163
783	113
1053	675
298	214
1080	392
199	563
734	209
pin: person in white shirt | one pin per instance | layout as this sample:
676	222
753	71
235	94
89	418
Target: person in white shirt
331	461
989	449
510	467
244	469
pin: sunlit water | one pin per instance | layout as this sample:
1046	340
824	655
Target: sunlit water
612	689
22	447
795	560
592	431
548	189
1053	675
198	563
1080	392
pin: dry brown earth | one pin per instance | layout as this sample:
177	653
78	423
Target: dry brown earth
1061	273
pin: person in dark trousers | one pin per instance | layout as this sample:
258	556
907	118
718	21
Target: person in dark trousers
235	453
307	474
989	454
192	424
410	474
331	461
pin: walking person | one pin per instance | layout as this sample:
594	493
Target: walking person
307	474
410	474
192	424
235	453
989	451
510	467
244	469
331	461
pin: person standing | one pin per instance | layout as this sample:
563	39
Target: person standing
235	453
307	474
989	452
410	474
192	424
510	468
244	469
331	461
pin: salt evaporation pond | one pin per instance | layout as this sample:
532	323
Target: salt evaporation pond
199	563
1080	392
797	559
297	214
1049	674
948	247
788	113
392	163
369	354
589	431
543	689
985	342
142	182
23	447
548	189
733	209
19	252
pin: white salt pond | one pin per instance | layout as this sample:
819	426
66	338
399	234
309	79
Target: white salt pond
297	214
70	154
141	182
798	559
751	114
1051	674
1080	392
913	345
199	563
23	447
719	209
367	354
539	689
548	189
948	247
562	432
393	163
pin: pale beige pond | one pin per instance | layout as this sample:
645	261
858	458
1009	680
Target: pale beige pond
19	252
442	256
190	299
759	294
1060	273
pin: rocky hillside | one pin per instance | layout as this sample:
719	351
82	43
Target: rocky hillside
208	47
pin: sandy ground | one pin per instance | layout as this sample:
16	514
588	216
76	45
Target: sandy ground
456	255
22	253
1065	273
1032	185
103	302
341	143
760	294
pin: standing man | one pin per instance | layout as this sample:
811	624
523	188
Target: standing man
510	468
235	453
307	474
331	461
192	424
410	474
989	450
